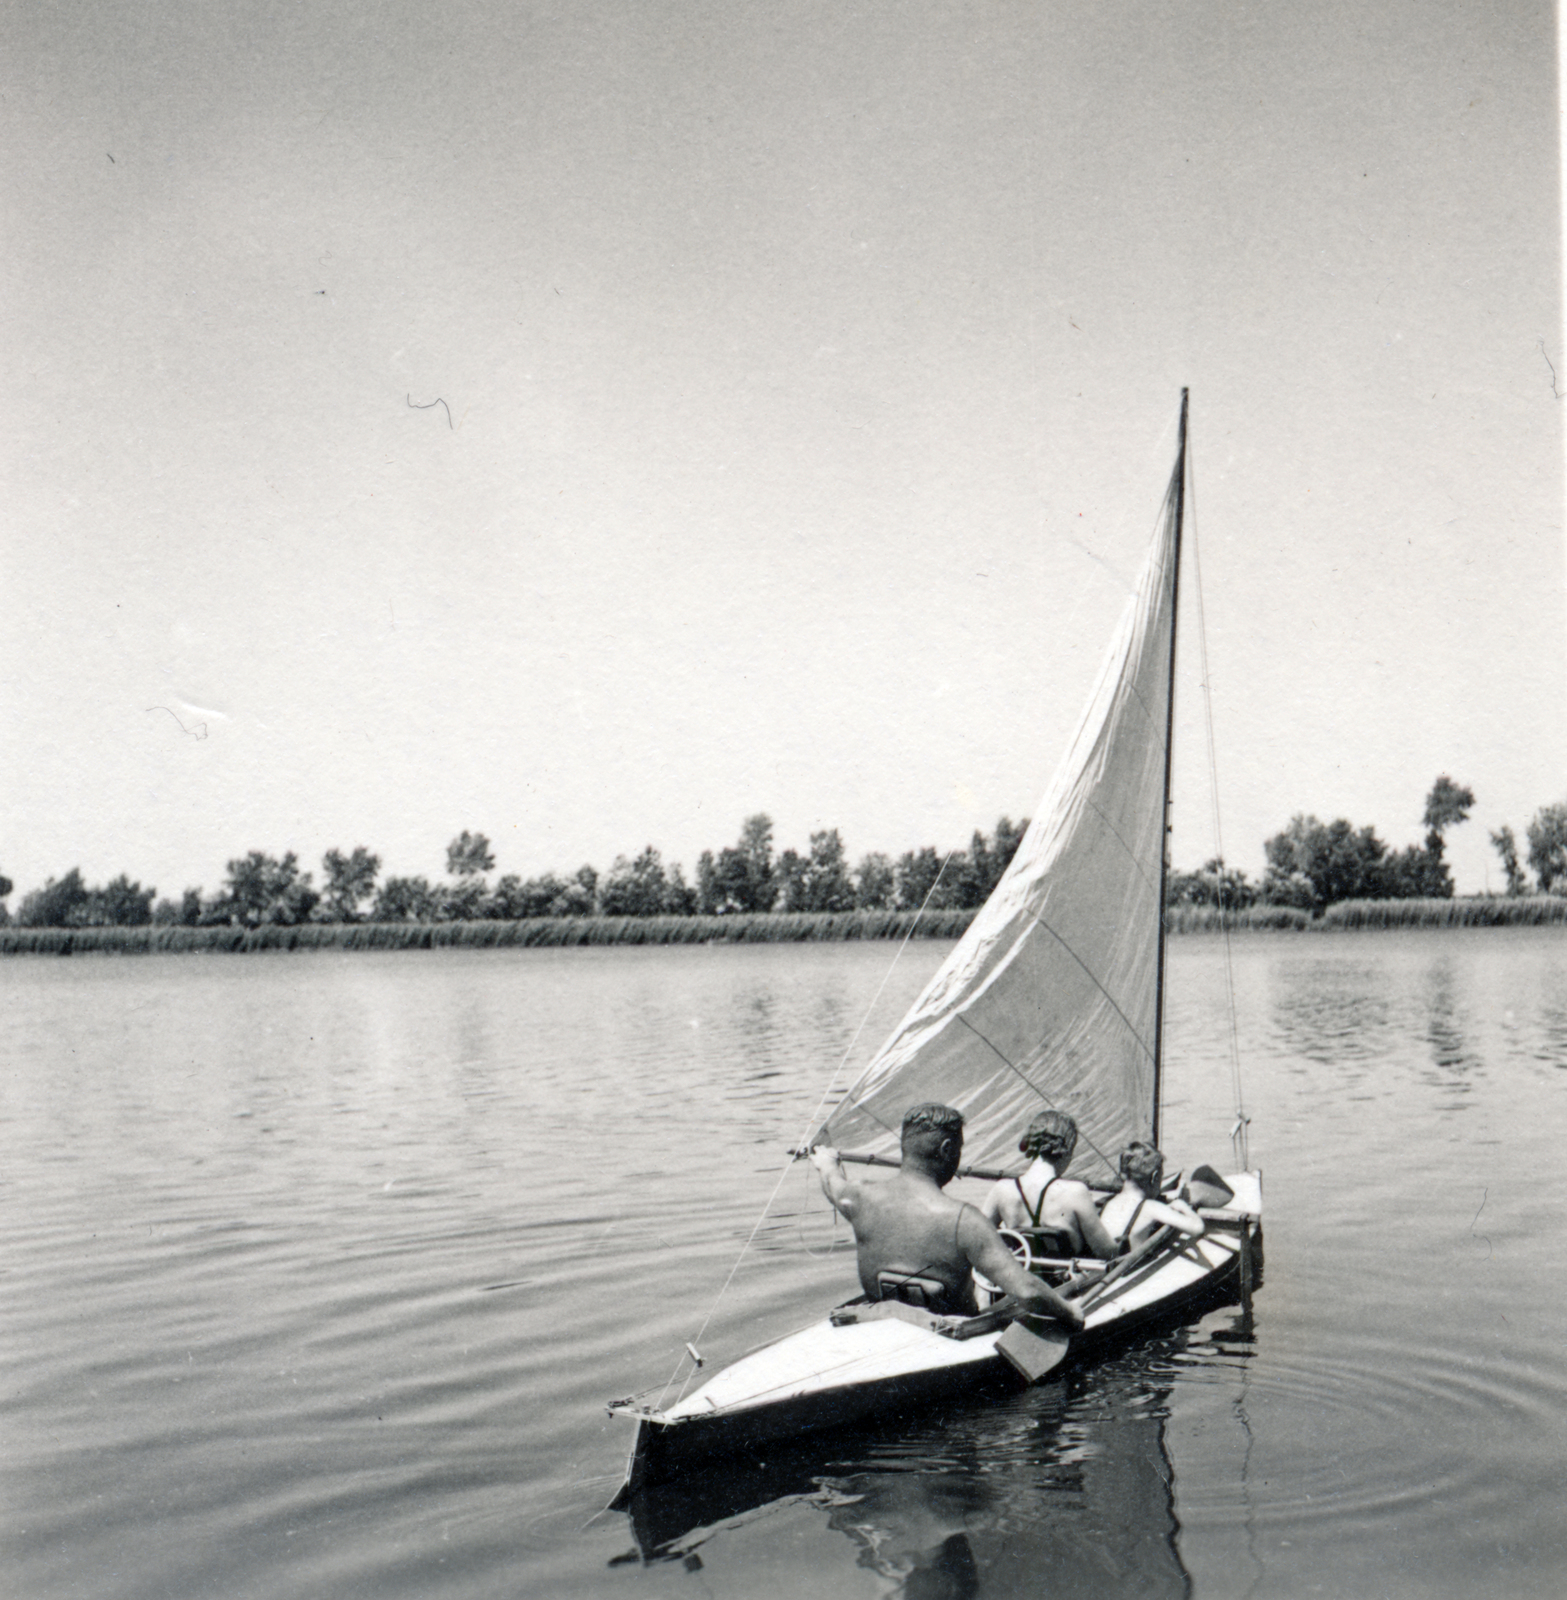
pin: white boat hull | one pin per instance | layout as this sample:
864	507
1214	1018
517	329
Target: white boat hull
830	1375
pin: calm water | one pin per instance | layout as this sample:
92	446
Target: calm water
318	1269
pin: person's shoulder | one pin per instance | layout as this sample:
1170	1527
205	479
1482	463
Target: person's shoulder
971	1225
969	1213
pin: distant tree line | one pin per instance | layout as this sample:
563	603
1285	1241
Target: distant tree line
1310	865
261	889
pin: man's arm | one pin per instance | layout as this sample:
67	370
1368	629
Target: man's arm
835	1181
987	1253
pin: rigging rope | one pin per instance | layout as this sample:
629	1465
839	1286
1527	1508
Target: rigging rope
1238	1134
815	1123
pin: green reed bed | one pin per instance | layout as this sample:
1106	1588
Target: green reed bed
743	928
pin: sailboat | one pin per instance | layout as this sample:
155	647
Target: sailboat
1054	998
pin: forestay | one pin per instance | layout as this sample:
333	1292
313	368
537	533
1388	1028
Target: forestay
1050	999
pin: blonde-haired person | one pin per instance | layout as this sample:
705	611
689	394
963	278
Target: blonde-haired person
1139	1209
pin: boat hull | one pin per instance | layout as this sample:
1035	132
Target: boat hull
665	1446
832	1375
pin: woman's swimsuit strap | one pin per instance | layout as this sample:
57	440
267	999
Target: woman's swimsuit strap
1131	1222
1036	1210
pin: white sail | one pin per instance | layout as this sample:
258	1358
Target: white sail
1050	998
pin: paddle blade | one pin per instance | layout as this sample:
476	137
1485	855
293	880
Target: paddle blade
1206	1188
1033	1354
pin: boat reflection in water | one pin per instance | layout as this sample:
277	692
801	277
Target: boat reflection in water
1066	1488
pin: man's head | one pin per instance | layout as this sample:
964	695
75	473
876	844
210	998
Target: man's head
1053	1135
933	1138
1143	1165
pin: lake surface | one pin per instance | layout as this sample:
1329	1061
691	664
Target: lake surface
318	1269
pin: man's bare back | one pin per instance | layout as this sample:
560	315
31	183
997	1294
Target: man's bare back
907	1227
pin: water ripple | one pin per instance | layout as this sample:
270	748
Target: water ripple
318	1273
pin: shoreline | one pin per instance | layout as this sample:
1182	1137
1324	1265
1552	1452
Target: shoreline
744	928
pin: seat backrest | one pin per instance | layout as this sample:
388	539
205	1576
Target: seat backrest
1050	1242
911	1288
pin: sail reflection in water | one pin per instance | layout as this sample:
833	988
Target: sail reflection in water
1067	1489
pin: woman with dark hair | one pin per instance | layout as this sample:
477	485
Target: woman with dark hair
1139	1208
1054	1213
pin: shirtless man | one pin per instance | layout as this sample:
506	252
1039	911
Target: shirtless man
907	1228
1042	1199
1138	1210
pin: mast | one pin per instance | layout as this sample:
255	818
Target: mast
1169	746
1053	993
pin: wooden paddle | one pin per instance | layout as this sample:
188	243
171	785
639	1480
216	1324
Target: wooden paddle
1038	1350
1206	1188
1034	1351
1092	1293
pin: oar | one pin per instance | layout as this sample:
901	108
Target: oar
1206	1188
1034	1353
858	1160
1093	1292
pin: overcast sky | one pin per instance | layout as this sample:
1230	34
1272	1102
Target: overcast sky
592	423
